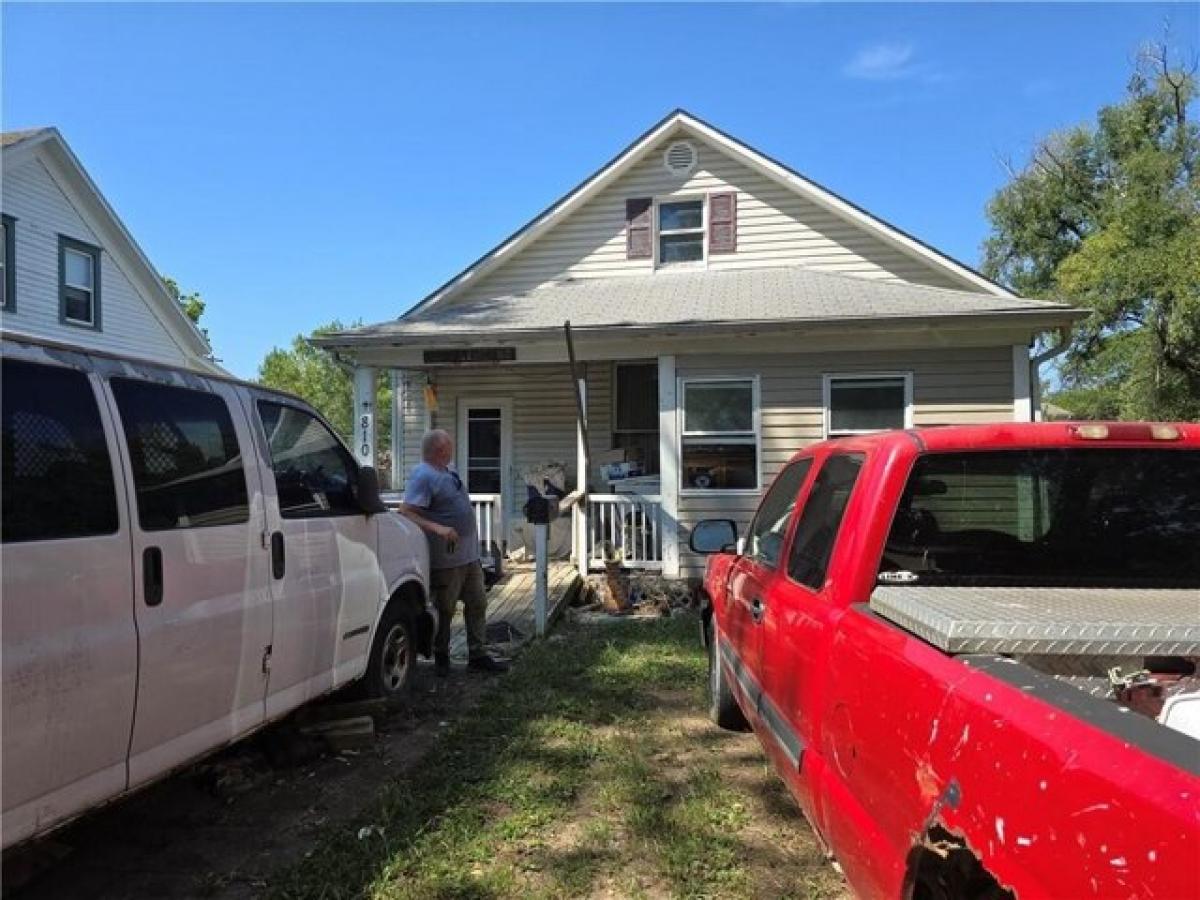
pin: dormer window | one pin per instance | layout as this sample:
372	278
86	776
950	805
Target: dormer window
680	232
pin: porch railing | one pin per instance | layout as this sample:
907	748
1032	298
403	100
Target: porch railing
627	527
487	518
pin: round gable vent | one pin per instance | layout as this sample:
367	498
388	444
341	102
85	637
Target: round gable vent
680	158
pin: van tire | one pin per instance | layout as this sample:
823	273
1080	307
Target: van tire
393	660
723	707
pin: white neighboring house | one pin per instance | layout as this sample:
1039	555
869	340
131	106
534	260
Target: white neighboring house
72	272
726	311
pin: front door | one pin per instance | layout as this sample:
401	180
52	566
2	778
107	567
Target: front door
201	599
485	449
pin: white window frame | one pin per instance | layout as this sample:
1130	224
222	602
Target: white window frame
827	380
681	420
701	263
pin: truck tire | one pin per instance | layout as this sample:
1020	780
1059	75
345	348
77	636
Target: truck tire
723	708
393	658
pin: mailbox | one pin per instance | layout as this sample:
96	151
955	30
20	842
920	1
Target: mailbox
541	510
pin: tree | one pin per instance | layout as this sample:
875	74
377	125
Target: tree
316	375
1107	217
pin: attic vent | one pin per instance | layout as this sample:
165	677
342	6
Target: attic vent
680	158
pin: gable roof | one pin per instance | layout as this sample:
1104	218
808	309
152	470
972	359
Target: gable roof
736	299
19	145
681	121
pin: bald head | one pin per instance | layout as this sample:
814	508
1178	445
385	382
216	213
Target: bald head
437	447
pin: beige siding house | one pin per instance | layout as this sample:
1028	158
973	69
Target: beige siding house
725	311
72	273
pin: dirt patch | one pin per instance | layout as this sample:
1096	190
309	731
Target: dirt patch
223	827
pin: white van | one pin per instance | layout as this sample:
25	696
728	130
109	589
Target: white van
185	558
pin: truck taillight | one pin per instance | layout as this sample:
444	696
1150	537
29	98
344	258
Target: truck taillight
1126	431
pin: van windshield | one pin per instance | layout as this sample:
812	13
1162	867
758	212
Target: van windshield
1049	517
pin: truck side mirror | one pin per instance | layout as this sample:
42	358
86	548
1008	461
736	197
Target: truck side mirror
367	491
714	536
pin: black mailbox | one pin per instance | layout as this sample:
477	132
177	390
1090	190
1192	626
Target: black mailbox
541	510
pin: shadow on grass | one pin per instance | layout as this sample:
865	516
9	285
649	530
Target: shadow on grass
461	824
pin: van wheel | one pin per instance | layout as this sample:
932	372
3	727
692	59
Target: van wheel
723	707
393	655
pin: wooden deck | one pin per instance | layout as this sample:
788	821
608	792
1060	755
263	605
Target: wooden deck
511	601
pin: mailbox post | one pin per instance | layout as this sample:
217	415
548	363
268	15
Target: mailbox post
540	511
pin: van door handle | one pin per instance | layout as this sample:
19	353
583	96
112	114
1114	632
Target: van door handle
278	560
152	575
757	609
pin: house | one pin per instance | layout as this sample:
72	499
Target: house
72	272
725	311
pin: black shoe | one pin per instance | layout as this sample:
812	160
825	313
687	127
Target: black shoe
486	664
441	664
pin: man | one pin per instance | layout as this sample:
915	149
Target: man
437	500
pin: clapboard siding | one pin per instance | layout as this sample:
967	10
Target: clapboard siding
775	227
43	212
950	386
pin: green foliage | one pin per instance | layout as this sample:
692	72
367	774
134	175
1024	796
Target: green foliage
316	376
192	304
1107	217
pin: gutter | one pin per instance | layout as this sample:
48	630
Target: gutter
1035	364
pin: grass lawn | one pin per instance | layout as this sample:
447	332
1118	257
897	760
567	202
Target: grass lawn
590	771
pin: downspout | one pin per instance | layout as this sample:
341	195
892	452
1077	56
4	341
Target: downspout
1035	365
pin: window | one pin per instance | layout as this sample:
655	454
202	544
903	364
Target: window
720	434
856	404
765	537
680	232
635	413
485	438
78	283
1050	517
58	477
8	252
187	466
314	473
820	519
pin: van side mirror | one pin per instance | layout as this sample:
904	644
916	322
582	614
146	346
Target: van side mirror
367	491
714	536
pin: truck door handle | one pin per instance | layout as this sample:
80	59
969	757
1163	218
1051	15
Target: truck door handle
757	609
278	560
152	575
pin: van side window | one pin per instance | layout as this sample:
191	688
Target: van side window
820	519
764	538
58	477
187	466
314	474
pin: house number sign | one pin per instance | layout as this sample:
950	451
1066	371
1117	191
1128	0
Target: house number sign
364	432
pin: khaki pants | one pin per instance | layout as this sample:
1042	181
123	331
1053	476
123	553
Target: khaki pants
463	583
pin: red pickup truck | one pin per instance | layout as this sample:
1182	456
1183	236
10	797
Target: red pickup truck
971	653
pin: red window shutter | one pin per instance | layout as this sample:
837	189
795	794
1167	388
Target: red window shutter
722	222
638	243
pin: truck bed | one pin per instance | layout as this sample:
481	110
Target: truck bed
1047	621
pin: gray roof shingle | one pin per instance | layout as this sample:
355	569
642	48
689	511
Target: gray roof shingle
770	295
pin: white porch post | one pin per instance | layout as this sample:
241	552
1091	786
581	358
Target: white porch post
364	415
579	513
397	435
1022	395
668	464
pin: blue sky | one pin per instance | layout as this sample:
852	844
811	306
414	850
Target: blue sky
299	163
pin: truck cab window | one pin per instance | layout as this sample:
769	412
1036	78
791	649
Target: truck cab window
820	519
58	478
314	474
765	537
187	465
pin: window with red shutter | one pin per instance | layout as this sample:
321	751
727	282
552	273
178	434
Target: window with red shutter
722	222
638	220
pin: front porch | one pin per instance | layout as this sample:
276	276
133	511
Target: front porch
516	427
